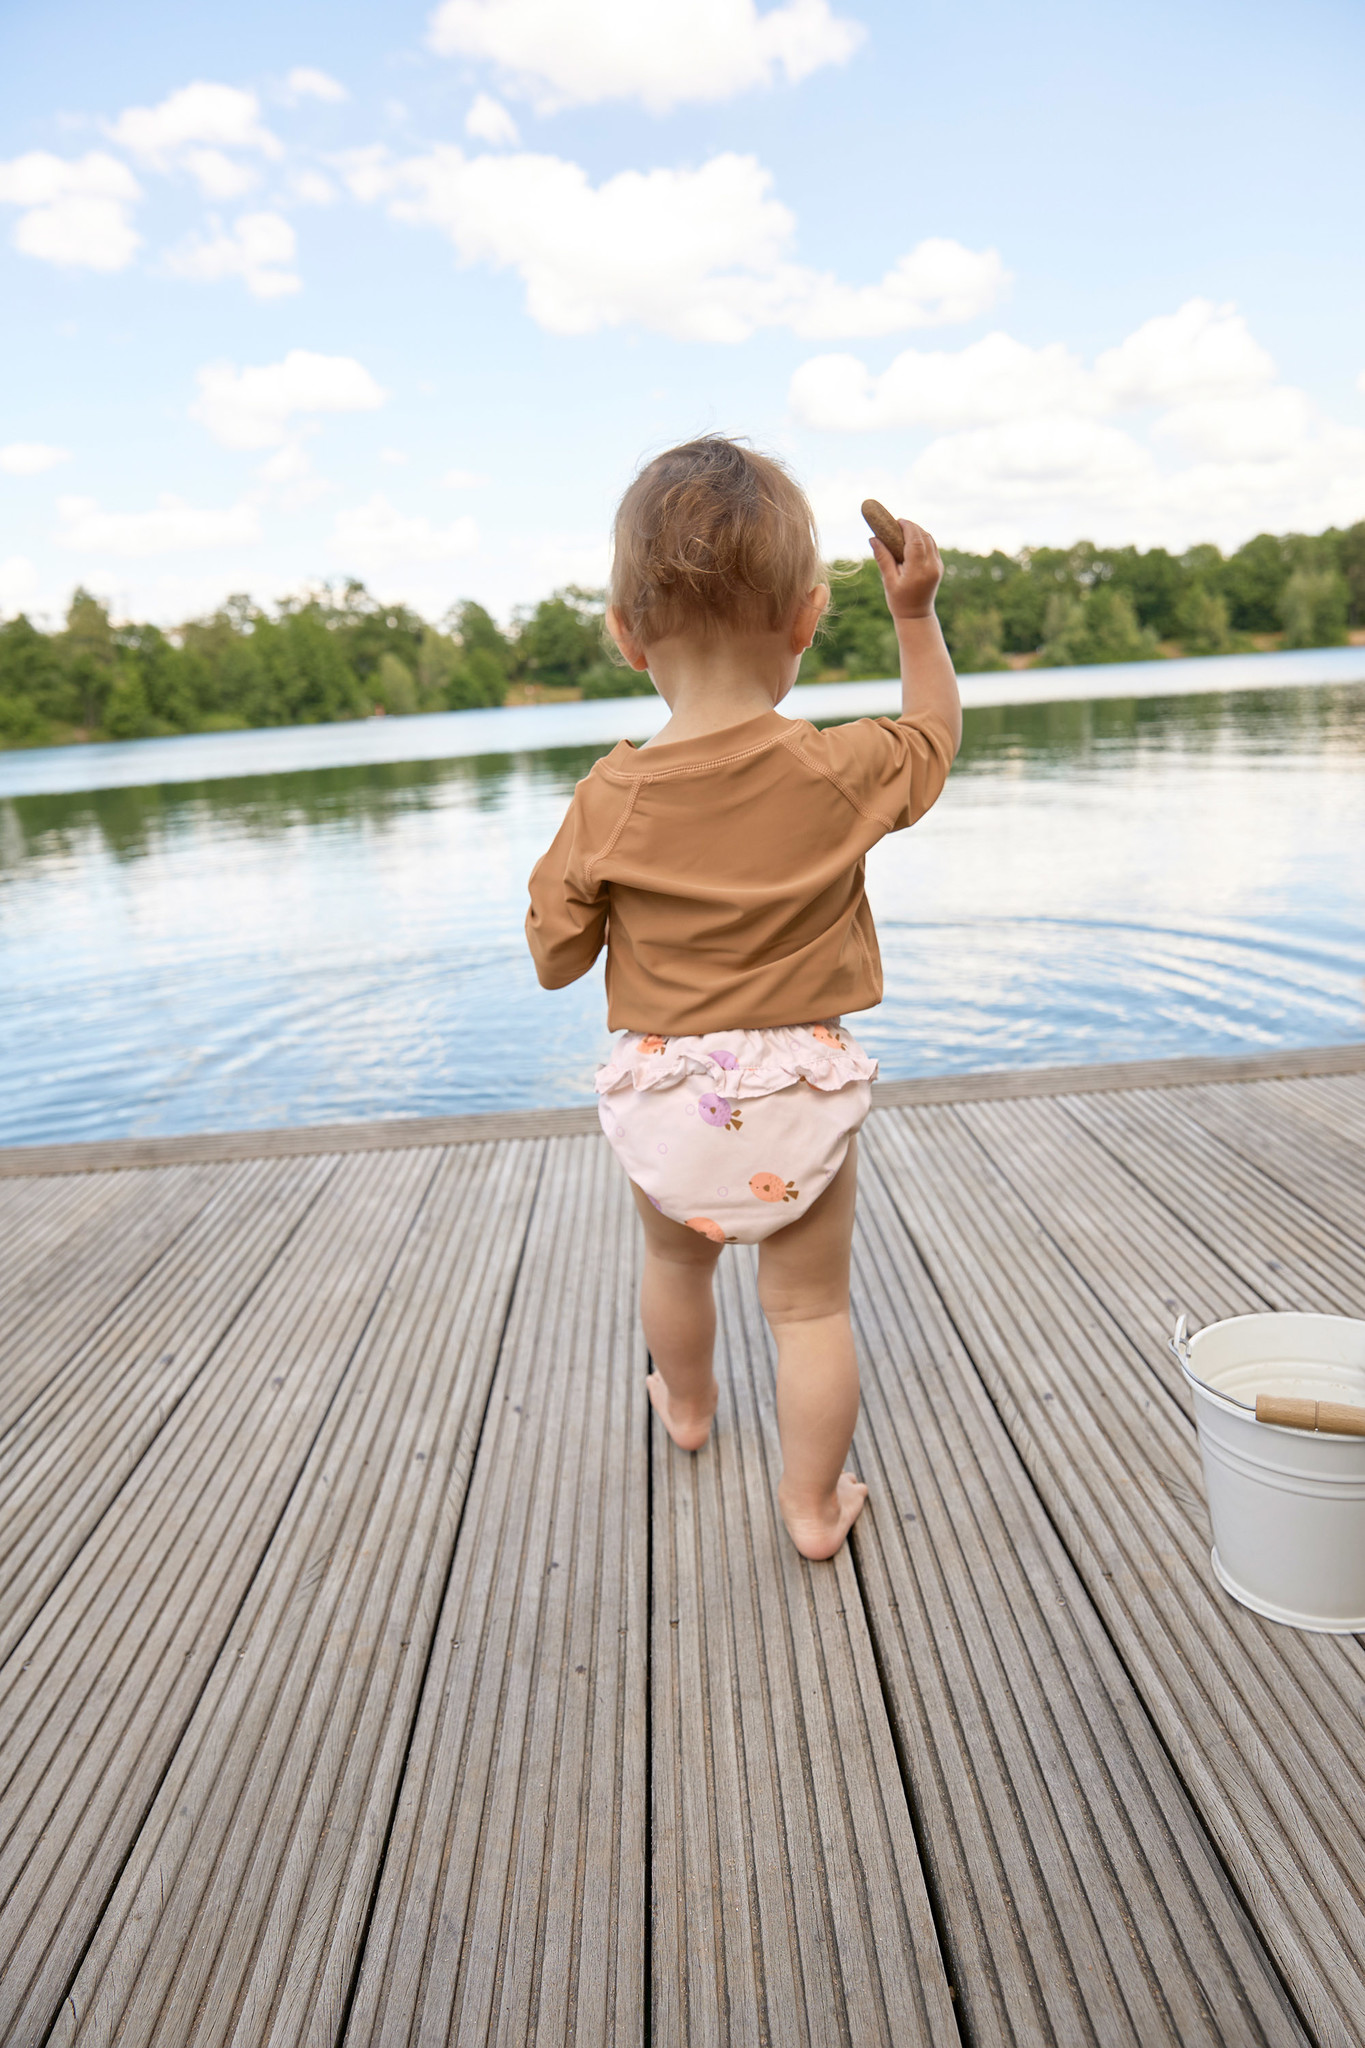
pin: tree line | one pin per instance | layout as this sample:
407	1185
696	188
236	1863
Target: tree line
339	653
1065	606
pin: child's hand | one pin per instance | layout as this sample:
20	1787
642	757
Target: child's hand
910	585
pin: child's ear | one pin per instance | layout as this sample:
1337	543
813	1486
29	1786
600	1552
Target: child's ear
626	640
813	608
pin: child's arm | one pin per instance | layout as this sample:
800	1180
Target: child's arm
566	926
928	683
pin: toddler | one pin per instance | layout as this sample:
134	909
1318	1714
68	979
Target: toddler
721	865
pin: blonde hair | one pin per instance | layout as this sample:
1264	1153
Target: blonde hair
712	535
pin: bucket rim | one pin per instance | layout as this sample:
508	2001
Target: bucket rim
1182	1344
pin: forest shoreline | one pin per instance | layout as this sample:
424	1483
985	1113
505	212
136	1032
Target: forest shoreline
336	653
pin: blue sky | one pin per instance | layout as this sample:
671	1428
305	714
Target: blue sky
294	292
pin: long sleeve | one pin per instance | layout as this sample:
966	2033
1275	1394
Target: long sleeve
566	926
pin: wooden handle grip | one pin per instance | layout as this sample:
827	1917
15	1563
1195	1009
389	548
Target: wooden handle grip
887	529
1341	1417
1337	1416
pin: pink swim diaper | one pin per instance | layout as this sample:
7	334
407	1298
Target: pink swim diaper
735	1133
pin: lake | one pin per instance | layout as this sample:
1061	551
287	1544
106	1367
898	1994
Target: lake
1106	878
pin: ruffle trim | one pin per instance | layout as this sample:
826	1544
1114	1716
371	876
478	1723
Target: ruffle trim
740	1064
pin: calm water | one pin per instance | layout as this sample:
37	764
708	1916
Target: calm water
1102	880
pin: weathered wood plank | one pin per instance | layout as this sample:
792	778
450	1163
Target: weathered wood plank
292	1141
1080	1899
239	1914
84	1433
1293	1254
401	1134
789	1903
64	1296
1271	1766
40	1218
511	1906
1018	1083
1136	1252
1312	1145
96	1694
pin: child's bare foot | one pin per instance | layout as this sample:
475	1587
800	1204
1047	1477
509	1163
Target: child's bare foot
688	1423
819	1531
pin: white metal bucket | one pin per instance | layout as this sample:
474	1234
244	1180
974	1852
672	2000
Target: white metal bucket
1287	1505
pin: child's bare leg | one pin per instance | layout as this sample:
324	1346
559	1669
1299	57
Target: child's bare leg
678	1310
803	1286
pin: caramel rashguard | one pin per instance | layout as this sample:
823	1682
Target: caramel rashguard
724	874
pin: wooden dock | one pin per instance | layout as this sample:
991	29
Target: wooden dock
372	1669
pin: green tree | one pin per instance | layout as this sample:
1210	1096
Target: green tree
1154	583
975	642
1351	562
34	686
437	660
1253	582
562	638
1096	625
162	677
1024	601
394	685
307	676
87	648
368	630
1201	621
484	668
127	714
1315	606
856	637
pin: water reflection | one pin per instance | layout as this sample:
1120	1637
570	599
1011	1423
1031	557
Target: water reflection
1112	879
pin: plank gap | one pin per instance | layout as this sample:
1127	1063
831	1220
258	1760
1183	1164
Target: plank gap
400	1776
154	1792
912	1805
1215	1851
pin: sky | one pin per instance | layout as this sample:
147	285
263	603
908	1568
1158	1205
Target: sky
295	292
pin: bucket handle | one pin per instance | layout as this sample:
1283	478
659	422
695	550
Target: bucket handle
1339	1418
1178	1345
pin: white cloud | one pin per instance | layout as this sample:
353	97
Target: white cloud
252	407
222	116
489	121
463	479
996	378
698	253
31	458
393	458
1201	356
257	248
662	54
76	211
1033	453
288	465
173	527
218	176
1053	480
1269	427
1201	351
377	534
304	83
1033	460
312	189
290	479
937	284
